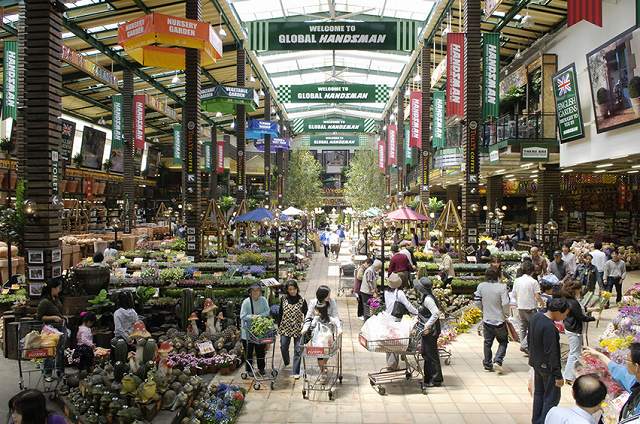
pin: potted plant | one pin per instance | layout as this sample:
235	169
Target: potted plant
634	93
602	97
107	165
6	145
77	159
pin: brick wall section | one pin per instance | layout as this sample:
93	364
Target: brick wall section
453	193
494	192
42	129
548	189
425	150
472	75
267	148
128	187
400	138
213	176
190	116
20	140
241	119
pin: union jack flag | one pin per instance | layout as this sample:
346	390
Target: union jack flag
564	85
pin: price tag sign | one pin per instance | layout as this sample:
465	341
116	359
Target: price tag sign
138	260
5	291
15	286
206	348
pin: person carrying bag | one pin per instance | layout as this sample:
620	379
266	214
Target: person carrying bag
397	305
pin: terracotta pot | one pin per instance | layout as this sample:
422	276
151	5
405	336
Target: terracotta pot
13	180
72	186
2	175
62	186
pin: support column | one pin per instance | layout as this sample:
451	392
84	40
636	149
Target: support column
42	134
128	162
387	168
401	141
425	148
267	148
213	175
471	122
548	191
453	194
20	139
494	192
190	116
241	118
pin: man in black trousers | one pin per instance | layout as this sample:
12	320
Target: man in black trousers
544	357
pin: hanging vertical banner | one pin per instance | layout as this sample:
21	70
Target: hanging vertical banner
392	144
206	152
415	119
408	149
455	74
438	121
220	156
490	75
381	163
116	121
10	81
138	121
177	144
68	135
588	10
568	111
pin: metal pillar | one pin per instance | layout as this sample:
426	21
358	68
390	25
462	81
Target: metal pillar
241	118
267	148
400	137
129	190
425	148
213	175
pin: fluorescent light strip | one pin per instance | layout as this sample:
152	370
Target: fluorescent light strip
509	176
604	165
600	171
635	171
566	171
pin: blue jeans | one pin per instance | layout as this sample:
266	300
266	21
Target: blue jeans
600	279
546	395
285	341
575	349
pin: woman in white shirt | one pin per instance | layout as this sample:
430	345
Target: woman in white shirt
393	295
430	311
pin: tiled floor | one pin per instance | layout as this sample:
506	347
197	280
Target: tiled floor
470	395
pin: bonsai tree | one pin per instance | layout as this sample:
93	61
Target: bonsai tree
107	165
77	159
634	93
602	97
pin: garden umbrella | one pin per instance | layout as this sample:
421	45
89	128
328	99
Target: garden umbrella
291	211
406	214
258	215
372	212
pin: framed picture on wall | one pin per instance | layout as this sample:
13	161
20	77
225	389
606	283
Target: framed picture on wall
35	257
35	289
56	271
36	273
56	255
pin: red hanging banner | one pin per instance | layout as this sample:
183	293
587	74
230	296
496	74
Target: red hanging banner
455	74
381	155
392	144
588	10
138	121
220	164
415	119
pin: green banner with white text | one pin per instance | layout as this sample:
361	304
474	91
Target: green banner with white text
333	93
117	138
491	75
10	81
206	152
177	144
568	112
334	140
439	123
334	124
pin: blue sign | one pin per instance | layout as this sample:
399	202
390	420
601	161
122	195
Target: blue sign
276	144
257	128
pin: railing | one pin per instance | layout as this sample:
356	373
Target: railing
521	127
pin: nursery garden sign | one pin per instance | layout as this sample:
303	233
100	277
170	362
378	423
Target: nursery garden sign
568	113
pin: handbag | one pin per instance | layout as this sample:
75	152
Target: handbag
399	309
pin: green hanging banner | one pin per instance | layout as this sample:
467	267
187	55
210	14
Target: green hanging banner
177	144
568	112
206	152
333	124
333	93
400	35
117	139
491	75
224	98
439	130
334	140
10	81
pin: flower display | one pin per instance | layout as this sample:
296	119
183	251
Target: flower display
614	344
219	404
375	305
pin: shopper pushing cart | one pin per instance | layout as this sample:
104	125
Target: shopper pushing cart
323	337
257	332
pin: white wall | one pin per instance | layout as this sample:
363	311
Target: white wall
572	45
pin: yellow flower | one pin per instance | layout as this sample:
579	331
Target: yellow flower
605	295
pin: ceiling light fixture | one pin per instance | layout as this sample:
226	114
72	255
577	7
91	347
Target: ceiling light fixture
604	165
252	78
407	92
566	171
509	176
233	125
416	77
526	165
175	79
218	114
635	171
101	121
636	166
500	170
222	32
600	171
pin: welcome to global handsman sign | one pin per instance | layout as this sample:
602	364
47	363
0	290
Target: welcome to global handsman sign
333	93
398	35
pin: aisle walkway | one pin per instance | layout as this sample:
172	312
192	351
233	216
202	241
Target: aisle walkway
471	395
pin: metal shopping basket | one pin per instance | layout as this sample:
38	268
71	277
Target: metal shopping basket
322	378
347	277
31	361
409	349
253	373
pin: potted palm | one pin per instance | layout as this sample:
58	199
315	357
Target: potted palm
634	94
602	97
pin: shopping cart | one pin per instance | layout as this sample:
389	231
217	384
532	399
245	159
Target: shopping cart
409	349
346	280
31	361
253	373
327	376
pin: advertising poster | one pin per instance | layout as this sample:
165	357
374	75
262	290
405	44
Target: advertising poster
335	161
92	147
68	135
568	112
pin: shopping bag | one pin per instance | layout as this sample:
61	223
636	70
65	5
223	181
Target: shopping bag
511	329
322	336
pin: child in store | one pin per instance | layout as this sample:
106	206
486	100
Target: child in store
321	326
83	353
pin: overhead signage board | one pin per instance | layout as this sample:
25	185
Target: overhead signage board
334	140
490	6
277	143
10	81
490	75
400	35
223	98
160	106
448	158
392	144
333	93
568	112
438	125
415	119
534	153
455	74
257	128
334	124
97	72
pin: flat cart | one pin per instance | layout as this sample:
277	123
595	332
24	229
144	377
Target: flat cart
270	375
346	279
31	361
408	348
322	378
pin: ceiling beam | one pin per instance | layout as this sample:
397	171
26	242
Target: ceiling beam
330	68
337	106
515	9
142	6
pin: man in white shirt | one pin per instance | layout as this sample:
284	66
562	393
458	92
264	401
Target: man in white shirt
598	259
569	259
588	392
334	243
526	292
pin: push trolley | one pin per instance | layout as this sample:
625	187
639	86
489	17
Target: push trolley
323	378
254	374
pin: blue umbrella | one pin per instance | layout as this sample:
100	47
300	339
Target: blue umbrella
258	215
